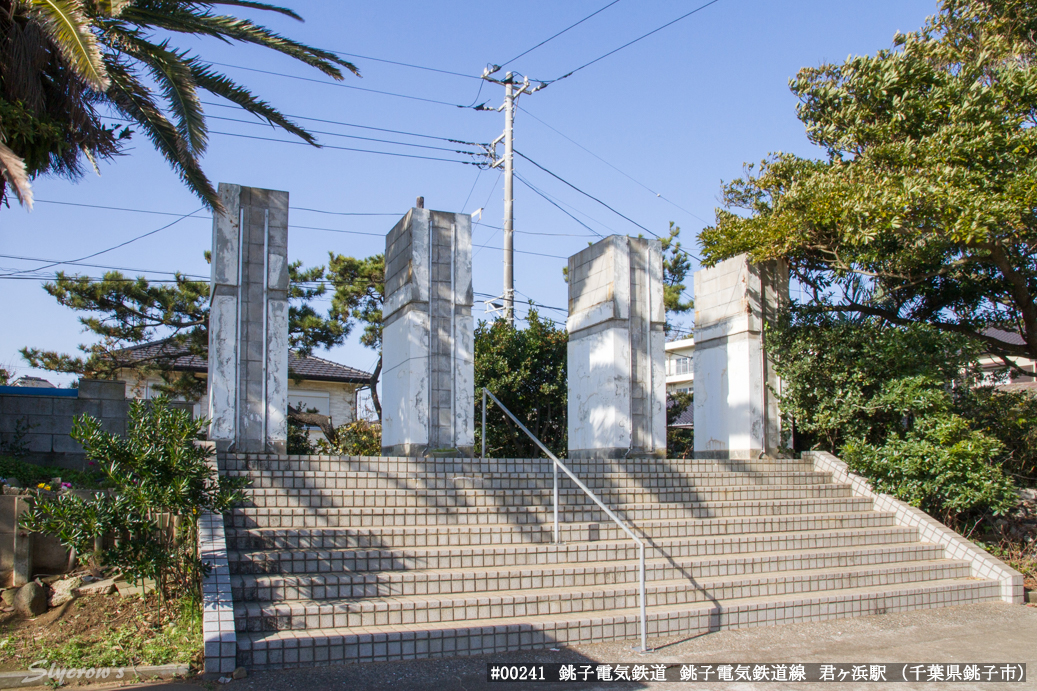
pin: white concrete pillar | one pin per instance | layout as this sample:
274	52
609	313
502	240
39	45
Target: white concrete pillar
736	411
248	322
617	368
428	337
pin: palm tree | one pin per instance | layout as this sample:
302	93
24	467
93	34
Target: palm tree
64	64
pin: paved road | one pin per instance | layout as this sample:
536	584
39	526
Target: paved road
970	633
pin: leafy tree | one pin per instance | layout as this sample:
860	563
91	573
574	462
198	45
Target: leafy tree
160	482
65	63
526	370
359	294
901	406
922	212
124	312
5	377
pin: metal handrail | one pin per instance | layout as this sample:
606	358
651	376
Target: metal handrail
558	464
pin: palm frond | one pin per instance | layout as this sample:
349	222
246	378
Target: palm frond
221	85
260	6
220	26
134	100
176	81
12	168
69	29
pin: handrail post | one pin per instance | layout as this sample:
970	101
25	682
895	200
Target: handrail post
554	466
483	424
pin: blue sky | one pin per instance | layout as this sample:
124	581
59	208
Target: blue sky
652	130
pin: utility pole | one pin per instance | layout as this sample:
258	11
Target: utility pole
508	163
509	199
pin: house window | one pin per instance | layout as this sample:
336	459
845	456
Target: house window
682	365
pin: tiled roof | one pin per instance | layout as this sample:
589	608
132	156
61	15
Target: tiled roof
686	418
309	367
1010	337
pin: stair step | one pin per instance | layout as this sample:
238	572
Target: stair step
277	649
357	560
503	535
484	580
575	497
297	479
403	466
245	517
323	614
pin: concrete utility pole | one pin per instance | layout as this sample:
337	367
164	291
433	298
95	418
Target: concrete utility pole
509	199
508	163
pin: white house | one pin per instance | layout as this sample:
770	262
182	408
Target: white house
314	383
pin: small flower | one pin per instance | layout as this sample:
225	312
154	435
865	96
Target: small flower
47	487
90	463
42	485
66	485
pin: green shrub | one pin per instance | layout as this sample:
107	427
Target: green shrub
30	474
360	438
160	482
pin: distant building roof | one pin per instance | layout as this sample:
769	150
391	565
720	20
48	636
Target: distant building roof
33	382
1010	337
306	367
686	418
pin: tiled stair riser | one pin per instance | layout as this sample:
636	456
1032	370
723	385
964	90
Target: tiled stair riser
323	614
496	535
302	561
336	480
397	583
466	498
335	646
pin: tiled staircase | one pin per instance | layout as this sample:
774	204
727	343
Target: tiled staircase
355	560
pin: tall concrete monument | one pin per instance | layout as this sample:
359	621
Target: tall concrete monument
617	376
248	321
736	413
428	336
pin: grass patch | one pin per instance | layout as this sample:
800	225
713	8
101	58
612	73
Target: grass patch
105	631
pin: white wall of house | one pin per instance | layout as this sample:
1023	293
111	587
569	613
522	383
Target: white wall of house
679	366
335	398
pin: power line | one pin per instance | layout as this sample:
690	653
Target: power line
586	194
105	251
102	266
207	218
406	64
342	86
639	38
333	134
547	40
556	205
624	174
348	125
345	148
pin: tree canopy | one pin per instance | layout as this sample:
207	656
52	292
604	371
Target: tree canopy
123	312
64	64
923	210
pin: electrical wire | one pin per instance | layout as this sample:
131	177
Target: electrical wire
639	38
406	64
345	148
556	205
341	86
547	40
350	124
103	266
624	174
105	251
335	134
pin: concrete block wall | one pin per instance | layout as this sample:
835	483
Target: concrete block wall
616	358
735	411
48	414
428	337
248	326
